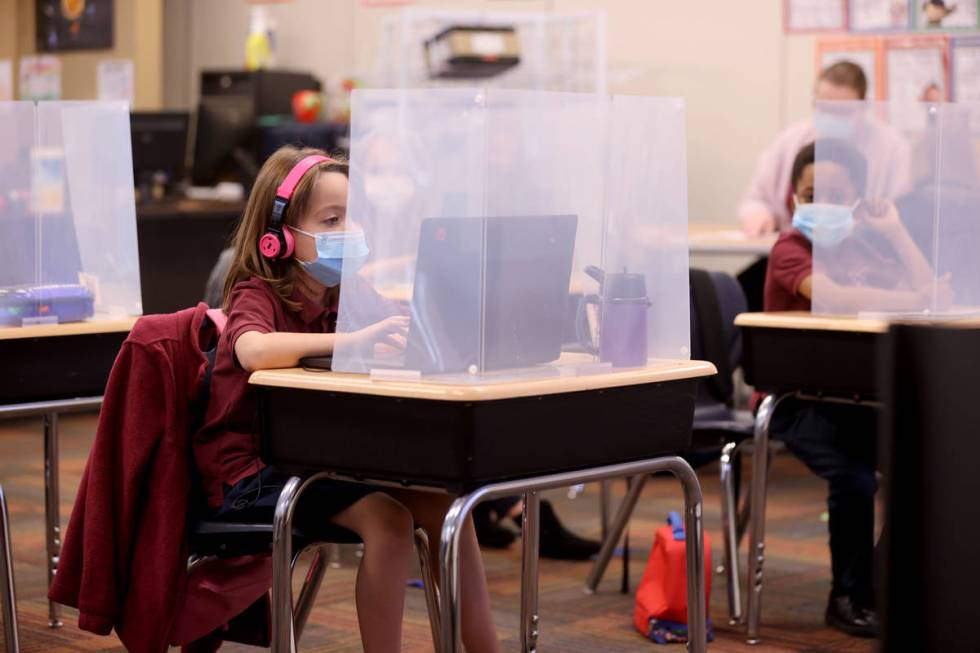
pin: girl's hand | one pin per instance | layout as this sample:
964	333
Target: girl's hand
388	335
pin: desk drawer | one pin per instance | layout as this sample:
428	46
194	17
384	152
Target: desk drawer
833	363
460	445
62	367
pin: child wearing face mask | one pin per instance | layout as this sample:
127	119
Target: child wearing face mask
281	298
872	260
837	441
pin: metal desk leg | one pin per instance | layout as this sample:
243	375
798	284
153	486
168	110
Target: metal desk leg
615	533
729	517
52	513
7	580
605	493
283	632
530	542
757	513
694	550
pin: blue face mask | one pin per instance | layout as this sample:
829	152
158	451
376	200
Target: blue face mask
333	249
824	224
829	125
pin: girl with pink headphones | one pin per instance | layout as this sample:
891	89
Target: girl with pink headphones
281	298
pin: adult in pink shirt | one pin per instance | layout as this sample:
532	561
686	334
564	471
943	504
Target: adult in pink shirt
765	206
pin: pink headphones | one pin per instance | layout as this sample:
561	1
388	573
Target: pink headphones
277	242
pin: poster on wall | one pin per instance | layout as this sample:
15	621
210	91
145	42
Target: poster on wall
866	52
40	78
915	68
946	14
114	80
63	25
879	15
6	80
815	15
964	64
915	71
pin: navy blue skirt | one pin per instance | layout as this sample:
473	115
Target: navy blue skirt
253	500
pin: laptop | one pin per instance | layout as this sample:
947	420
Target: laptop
527	264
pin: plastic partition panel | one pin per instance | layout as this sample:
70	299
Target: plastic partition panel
500	223
68	247
868	159
417	183
896	210
957	222
20	238
90	143
645	232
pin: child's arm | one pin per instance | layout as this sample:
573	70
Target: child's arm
260	351
882	216
852	299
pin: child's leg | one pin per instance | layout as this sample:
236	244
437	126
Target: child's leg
479	634
386	528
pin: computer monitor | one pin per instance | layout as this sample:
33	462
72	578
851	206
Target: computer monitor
222	147
159	145
524	265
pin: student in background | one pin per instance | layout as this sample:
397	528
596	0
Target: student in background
766	205
282	305
879	264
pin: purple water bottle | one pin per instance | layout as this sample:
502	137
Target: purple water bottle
623	326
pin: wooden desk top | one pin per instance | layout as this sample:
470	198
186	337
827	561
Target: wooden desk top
68	329
665	370
807	320
709	238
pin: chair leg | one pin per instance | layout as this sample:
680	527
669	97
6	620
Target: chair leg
429	585
311	587
7	580
728	518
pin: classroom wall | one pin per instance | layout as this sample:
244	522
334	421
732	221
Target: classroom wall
137	36
742	77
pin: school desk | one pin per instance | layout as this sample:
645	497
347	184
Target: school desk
479	441
813	357
50	369
726	239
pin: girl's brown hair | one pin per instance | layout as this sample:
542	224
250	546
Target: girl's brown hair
248	262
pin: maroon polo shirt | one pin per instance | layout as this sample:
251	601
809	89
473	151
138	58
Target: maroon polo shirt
863	259
790	262
226	448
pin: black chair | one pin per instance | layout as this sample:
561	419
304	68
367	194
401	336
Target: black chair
716	299
718	429
212	540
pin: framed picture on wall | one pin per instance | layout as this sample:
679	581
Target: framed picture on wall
63	25
947	14
865	51
880	15
815	15
916	68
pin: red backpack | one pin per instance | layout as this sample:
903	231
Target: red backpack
661	599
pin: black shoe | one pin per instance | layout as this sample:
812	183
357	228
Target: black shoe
844	615
490	532
557	543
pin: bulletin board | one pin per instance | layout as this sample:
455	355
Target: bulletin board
867	52
814	15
